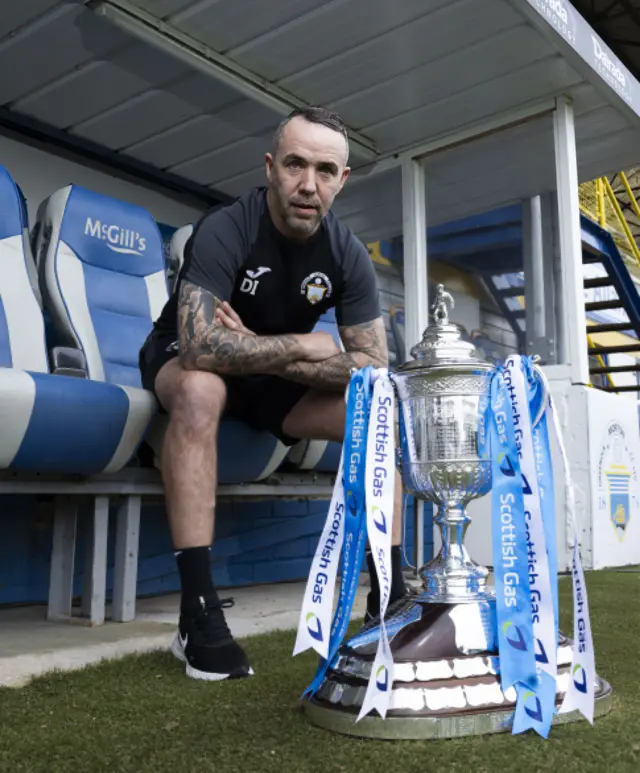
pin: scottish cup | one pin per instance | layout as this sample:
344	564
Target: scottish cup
446	673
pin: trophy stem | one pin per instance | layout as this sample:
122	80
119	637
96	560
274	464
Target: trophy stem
452	577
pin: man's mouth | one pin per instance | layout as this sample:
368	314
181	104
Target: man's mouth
304	208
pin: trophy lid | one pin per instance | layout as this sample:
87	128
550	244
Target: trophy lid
443	342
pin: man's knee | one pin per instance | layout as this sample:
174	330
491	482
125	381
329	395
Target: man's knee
195	398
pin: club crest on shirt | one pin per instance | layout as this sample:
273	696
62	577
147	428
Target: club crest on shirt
316	287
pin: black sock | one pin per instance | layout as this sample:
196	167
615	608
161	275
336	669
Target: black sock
194	565
398	585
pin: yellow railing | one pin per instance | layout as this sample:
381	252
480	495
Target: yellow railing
599	202
600	360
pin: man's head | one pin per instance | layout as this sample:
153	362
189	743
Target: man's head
306	169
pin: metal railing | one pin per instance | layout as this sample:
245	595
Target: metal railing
599	203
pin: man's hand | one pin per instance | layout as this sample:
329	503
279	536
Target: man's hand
322	364
319	347
364	344
208	344
226	316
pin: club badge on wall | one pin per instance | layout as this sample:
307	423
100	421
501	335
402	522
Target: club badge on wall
617	478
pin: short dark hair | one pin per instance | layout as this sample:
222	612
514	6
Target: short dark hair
314	115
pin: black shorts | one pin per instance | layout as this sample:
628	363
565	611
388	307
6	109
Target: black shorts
263	402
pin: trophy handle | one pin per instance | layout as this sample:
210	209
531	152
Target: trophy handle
401	427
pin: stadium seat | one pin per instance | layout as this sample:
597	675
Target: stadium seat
176	252
51	422
26	246
396	317
103	279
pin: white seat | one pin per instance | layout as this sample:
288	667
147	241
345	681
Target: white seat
102	271
50	423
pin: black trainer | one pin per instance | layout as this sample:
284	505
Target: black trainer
204	642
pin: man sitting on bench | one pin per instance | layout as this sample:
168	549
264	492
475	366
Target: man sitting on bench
235	339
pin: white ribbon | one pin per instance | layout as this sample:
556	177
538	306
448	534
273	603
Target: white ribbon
580	694
314	626
380	485
539	579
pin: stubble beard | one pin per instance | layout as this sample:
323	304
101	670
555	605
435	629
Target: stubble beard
299	228
302	228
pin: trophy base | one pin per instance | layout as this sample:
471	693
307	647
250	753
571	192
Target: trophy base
446	678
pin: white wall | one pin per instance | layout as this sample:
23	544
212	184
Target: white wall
39	173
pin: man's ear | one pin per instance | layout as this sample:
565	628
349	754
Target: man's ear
345	176
269	162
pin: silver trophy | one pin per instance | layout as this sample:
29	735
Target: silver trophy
442	397
446	678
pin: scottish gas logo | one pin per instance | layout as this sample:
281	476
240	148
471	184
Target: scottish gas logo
118	239
532	707
382	678
514	636
579	678
314	626
379	519
330	553
506	466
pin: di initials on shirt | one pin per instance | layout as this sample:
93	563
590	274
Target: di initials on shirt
250	281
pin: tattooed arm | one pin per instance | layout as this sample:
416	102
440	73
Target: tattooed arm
206	344
365	344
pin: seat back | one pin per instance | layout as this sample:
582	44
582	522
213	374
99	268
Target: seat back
103	278
396	318
22	337
177	244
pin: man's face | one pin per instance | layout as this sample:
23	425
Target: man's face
308	171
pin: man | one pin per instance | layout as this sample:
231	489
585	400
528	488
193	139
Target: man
235	339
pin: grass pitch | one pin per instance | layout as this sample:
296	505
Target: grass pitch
142	714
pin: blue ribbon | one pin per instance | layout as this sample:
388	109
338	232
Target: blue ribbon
535	702
509	543
355	519
535	707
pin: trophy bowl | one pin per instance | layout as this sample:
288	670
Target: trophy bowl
443	394
446	666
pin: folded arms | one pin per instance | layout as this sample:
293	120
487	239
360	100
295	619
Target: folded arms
213	338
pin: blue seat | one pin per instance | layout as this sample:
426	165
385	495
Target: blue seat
104	279
50	422
396	319
177	244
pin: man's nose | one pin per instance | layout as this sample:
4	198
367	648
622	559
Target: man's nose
308	181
